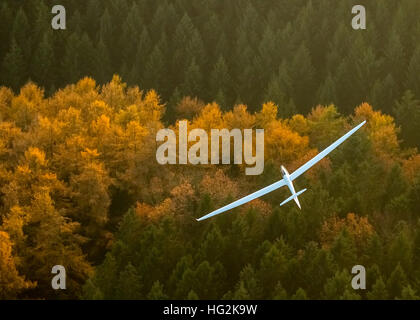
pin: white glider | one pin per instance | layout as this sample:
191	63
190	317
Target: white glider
287	179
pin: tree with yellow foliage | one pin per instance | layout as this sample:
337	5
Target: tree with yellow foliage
11	283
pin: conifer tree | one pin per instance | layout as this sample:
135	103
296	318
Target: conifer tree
129	286
407	114
42	65
14	66
156	292
378	291
20	32
413	71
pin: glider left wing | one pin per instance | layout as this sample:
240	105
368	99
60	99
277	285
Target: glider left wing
246	199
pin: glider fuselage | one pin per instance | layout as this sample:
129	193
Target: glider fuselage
289	183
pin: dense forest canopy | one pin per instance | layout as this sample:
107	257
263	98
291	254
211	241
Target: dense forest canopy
296	53
80	185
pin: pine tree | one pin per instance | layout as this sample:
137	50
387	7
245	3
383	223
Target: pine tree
41	25
250	282
275	92
154	69
14	67
344	250
220	81
241	293
183	33
6	19
42	65
408	293
76	22
281	294
71	61
192	295
378	291
395	57
156	292
302	76
396	282
195	51
193	82
327	91
107	36
20	32
94	11
413	71
338	286
103	63
142	51
87	57
407	114
384	92
300	295
132	24
129	286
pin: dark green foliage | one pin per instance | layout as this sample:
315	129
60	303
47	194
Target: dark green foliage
228	53
14	66
407	114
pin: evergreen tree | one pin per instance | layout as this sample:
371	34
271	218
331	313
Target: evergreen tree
20	32
396	282
142	51
219	81
41	25
409	293
14	66
94	11
42	65
300	295
193	80
156	292
407	114
378	291
87	57
412	82
154	69
103	63
281	294
241	293
327	91
71	61
275	92
129	286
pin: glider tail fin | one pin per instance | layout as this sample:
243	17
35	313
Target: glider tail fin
294	197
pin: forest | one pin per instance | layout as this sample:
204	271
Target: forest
80	185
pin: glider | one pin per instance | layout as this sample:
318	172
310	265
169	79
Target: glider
287	179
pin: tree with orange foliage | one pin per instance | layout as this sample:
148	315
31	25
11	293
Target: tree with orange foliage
11	283
358	228
381	130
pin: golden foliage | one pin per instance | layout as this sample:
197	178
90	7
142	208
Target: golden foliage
267	115
282	145
358	227
11	283
381	129
411	167
188	108
218	186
